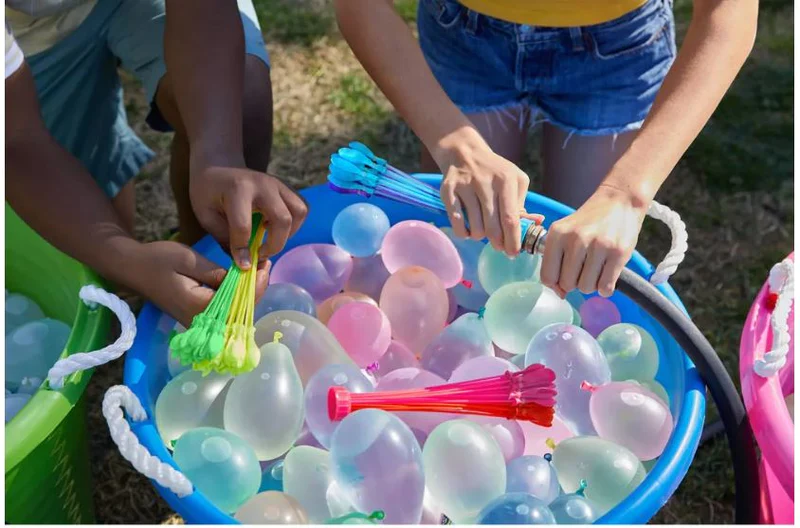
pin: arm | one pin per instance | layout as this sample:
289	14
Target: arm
606	227
204	52
380	39
54	194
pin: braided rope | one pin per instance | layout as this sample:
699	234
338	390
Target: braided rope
115	400
677	251
781	283
92	295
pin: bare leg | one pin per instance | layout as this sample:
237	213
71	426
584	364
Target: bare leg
575	165
125	204
257	114
504	130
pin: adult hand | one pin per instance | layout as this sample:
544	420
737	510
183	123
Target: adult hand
588	249
224	199
180	281
486	187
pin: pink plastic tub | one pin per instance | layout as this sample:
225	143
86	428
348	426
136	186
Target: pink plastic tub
764	398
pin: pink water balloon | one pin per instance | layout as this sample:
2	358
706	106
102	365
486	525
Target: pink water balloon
414	378
363	330
327	307
416	243
321	269
541	440
397	356
415	301
368	276
632	416
597	314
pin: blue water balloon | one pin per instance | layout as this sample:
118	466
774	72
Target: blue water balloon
534	475
285	296
516	508
359	229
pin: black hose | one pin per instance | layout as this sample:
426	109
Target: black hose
722	389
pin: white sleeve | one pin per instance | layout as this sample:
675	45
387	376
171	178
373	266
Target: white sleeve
14	57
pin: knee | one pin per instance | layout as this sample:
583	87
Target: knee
257	113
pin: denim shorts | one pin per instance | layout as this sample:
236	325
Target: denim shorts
591	80
79	88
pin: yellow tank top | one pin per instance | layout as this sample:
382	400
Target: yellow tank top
554	13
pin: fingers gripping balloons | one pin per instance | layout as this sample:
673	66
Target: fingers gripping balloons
363	331
416	304
631	416
415	243
320	269
517	311
465	339
378	463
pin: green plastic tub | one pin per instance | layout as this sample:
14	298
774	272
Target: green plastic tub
48	479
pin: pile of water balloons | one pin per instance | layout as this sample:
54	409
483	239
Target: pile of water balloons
404	306
33	344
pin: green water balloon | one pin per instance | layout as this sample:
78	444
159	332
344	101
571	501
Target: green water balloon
307	477
611	471
631	351
517	311
188	401
265	406
222	466
496	269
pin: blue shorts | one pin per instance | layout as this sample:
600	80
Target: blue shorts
591	80
79	88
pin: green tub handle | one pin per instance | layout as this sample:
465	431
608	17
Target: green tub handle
92	296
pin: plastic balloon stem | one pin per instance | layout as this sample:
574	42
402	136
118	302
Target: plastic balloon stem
377	515
276	337
548	457
481	312
372	367
585	385
467	284
582	488
550	443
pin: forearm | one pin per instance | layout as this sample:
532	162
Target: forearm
719	39
386	48
204	53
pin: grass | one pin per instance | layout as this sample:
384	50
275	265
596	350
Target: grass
733	189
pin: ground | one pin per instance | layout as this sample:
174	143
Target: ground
733	189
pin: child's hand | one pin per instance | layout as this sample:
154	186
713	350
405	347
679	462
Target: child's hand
179	280
489	189
224	199
588	249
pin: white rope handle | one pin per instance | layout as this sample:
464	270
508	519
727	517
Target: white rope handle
680	241
781	283
115	400
92	295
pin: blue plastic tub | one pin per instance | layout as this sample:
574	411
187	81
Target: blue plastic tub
146	368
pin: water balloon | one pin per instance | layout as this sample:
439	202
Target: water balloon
414	378
397	356
597	314
517	311
33	348
320	269
496	269
19	311
14	404
631	351
271	507
306	477
360	228
533	475
363	330
575	357
573	508
329	306
368	276
285	296
509	436
316	397
188	401
465	339
222	466
414	243
540	440
516	508
416	304
274	390
378	464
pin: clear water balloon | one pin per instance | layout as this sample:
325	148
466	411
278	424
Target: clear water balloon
20	310
509	436
469	293
329	306
265	406
517	311
33	348
320	269
368	276
363	330
359	229
415	243
312	345
630	415
378	464
631	351
397	356
413	378
222	466
496	269
316	397
306	477
285	296
415	301
464	468
573	508
611	471
516	508
188	401
271	507
482	367
534	475
597	314
575	357
465	339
